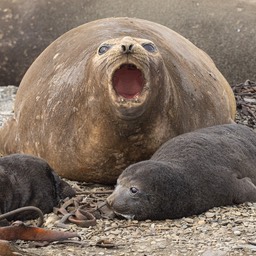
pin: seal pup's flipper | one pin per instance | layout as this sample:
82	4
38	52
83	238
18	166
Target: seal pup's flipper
245	192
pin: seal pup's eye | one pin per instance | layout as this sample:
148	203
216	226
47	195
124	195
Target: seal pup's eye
149	47
104	48
133	190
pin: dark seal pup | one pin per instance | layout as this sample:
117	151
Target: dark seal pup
109	93
190	174
29	181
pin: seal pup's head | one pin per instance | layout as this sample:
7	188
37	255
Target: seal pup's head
130	67
145	191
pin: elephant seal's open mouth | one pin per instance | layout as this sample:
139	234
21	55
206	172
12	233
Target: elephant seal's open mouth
128	81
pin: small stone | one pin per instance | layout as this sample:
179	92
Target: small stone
161	246
189	220
211	252
114	225
229	225
115	232
249	100
214	225
209	214
201	222
237	233
51	220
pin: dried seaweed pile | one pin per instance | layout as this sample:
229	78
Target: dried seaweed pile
245	94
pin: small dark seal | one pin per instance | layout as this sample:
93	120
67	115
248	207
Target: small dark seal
190	174
26	180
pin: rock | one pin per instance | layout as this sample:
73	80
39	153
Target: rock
209	214
212	252
237	233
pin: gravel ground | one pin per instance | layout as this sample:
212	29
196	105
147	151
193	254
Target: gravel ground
218	232
7	96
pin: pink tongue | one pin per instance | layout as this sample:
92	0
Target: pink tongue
128	81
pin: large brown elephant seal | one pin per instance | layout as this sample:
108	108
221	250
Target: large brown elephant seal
27	180
109	93
190	174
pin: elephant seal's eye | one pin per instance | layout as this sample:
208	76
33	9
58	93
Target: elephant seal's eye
104	48
133	190
149	47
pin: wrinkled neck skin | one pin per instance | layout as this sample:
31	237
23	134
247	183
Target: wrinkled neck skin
132	79
128	106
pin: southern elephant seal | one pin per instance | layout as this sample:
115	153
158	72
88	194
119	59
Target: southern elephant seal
190	174
108	93
27	180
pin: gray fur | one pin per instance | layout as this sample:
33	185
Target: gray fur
26	180
190	174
